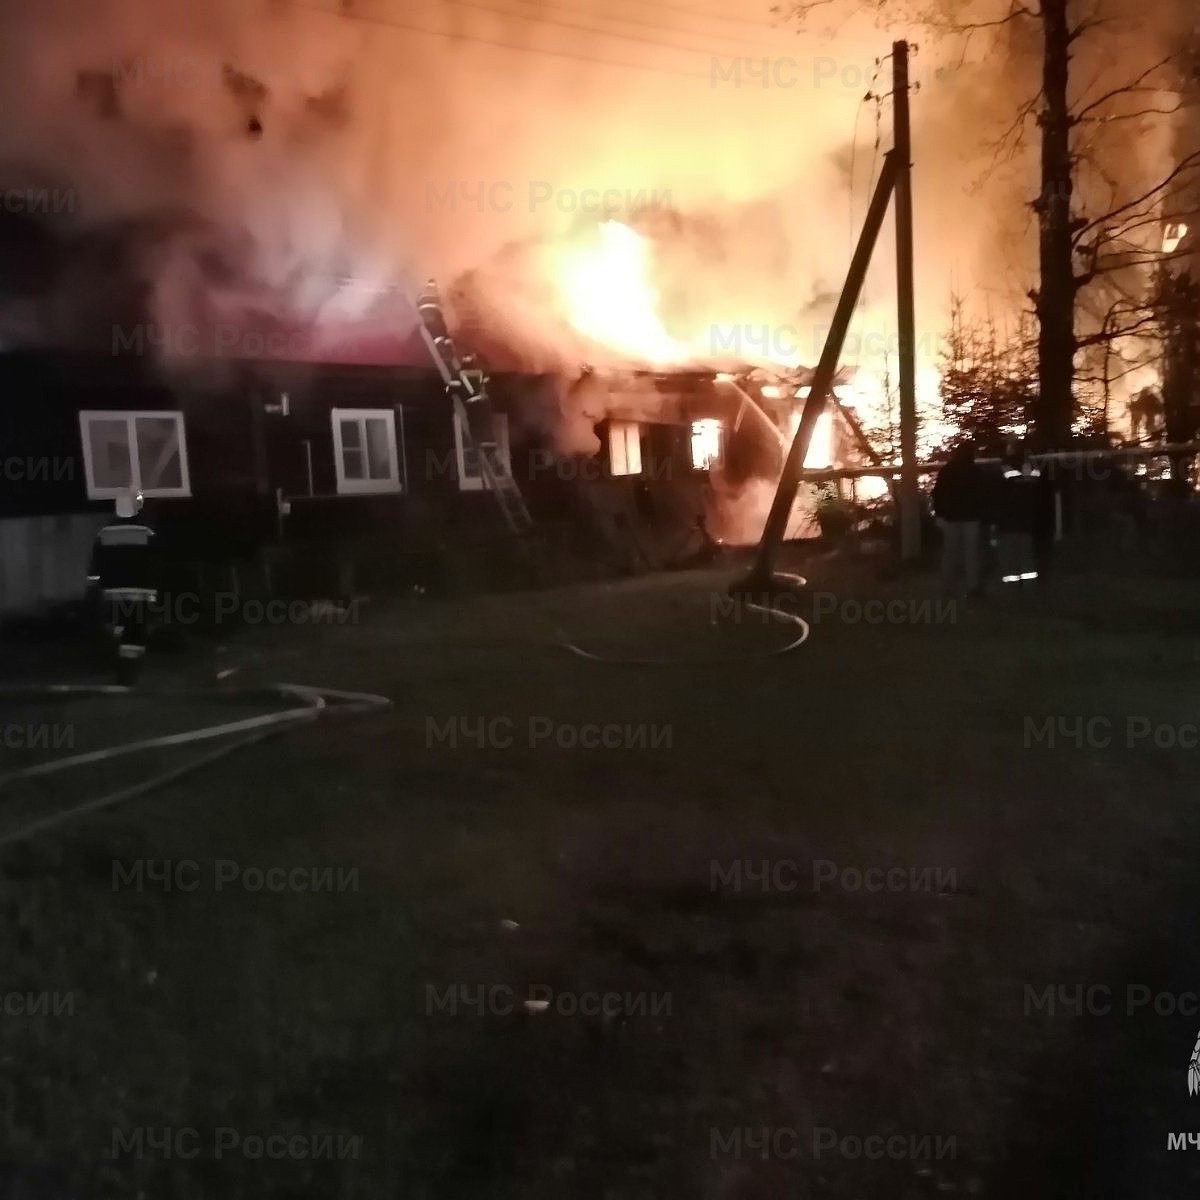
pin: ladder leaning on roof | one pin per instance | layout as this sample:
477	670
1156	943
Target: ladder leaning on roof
467	390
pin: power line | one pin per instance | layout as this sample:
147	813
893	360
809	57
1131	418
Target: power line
625	37
549	21
711	16
465	37
633	21
875	149
781	30
868	95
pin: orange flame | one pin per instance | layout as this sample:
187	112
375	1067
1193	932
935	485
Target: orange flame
605	282
609	298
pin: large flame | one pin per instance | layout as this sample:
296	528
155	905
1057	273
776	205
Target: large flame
820	444
608	295
605	281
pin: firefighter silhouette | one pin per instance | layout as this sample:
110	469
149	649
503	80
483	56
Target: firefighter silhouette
124	570
1017	521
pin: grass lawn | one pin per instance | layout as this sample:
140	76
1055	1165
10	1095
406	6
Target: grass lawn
794	916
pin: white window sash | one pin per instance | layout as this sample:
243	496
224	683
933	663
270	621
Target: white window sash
622	436
475	483
360	416
136	483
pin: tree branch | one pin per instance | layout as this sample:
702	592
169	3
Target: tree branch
1127	89
1189	163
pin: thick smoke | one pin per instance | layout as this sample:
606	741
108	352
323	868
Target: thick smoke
225	163
235	159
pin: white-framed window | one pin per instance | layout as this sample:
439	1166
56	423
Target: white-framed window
470	477
364	450
625	447
134	451
706	443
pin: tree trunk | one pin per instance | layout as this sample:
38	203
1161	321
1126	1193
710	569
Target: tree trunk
1056	294
1181	364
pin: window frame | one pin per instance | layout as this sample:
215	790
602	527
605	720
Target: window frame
394	484
130	416
622	429
477	483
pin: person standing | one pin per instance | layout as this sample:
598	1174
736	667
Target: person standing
960	504
124	568
1017	522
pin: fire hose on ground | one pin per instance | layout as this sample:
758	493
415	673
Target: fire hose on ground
315	706
768	607
252	729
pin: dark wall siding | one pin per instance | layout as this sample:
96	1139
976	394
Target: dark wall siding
241	455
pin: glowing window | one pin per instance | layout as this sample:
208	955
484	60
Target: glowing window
706	444
625	447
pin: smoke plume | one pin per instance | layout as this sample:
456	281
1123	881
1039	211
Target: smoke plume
231	163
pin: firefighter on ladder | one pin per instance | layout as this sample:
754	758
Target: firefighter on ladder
123	569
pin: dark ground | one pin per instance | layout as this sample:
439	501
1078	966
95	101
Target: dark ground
752	1020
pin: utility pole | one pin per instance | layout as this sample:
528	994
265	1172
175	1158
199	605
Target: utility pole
909	492
760	577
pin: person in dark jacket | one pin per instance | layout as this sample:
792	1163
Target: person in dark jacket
124	569
1017	521
960	504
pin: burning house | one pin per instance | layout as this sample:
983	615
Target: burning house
181	326
320	478
336	455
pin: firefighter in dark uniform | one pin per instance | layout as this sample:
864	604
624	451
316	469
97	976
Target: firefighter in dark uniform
124	571
1017	521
